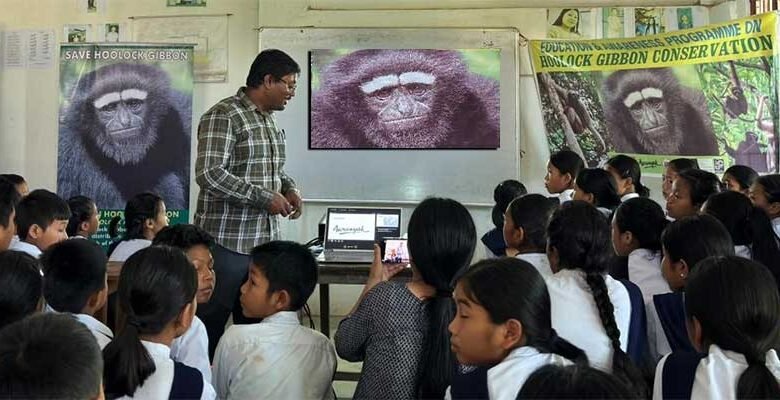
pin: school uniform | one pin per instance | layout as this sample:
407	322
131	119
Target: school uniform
25	247
667	331
192	348
539	261
605	211
776	226
274	359
102	333
507	378
576	318
566	195
127	248
494	243
715	376
171	379
77	237
644	269
743	251
628	196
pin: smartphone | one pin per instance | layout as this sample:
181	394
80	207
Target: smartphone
395	251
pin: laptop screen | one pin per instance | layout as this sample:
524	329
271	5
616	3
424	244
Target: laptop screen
360	228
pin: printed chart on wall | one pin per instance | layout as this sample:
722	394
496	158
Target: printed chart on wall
208	33
707	93
124	127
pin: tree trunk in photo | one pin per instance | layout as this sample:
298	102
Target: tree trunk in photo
571	140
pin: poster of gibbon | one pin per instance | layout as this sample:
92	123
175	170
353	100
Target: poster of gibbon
404	99
124	124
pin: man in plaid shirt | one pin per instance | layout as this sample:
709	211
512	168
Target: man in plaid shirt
244	191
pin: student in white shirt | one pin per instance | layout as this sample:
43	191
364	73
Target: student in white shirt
573	382
144	216
597	187
684	243
733	315
157	288
21	286
562	167
628	177
636	232
9	199
749	227
765	194
84	217
41	218
192	348
525	221
49	356
739	178
689	192
76	282
503	323
503	194
589	308
276	358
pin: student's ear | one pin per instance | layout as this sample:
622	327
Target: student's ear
184	320
568	179
35	232
552	257
694	334
83	227
627	184
281	300
149	224
680	272
627	238
97	300
590	198
513	334
518	235
774	209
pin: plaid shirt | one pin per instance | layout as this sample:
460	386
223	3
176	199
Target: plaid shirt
239	166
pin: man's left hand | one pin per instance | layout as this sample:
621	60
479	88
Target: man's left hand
294	197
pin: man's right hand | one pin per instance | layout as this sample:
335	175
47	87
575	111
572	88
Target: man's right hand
279	205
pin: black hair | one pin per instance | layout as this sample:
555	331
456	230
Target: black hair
13	178
155	284
771	185
503	194
138	209
49	356
601	184
702	184
74	271
183	236
573	382
41	207
287	266
645	219
581	237
21	286
9	199
695	238
442	238
628	167
736	301
743	174
681	164
567	162
510	288
748	225
271	62
81	208
532	212
559	20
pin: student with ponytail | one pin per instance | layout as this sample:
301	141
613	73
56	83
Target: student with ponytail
157	288
732	308
562	168
503	322
628	176
597	313
399	329
144	216
597	187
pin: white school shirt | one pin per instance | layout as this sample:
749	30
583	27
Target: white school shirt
776	226
539	261
644	269
102	333
158	384
717	374
566	195
25	247
127	248
274	359
506	379
628	196
576	318
743	251
192	348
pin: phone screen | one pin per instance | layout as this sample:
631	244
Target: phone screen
396	251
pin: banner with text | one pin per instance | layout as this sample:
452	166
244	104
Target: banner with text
124	128
707	93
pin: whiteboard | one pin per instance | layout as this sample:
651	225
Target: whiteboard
468	176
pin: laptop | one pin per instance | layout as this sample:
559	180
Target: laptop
351	232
